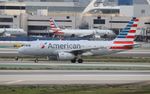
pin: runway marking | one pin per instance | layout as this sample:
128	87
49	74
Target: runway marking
14	82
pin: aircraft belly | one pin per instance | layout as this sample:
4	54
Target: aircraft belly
101	52
47	52
41	52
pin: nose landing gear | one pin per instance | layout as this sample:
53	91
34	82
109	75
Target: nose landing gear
80	60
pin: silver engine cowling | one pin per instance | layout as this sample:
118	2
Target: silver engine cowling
65	56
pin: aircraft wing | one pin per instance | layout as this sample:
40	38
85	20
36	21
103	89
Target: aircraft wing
80	51
135	44
85	35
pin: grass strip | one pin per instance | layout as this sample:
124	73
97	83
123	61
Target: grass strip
139	88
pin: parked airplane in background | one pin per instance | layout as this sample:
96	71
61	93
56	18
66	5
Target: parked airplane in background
79	32
12	32
74	50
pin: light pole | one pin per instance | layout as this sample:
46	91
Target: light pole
75	12
111	2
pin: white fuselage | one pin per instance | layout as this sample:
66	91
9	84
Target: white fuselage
87	32
48	48
12	31
73	50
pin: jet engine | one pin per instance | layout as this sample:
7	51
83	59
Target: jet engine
65	56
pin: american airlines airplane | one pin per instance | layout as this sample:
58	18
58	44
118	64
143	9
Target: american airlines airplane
79	32
12	32
74	50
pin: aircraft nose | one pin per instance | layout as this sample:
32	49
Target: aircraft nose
25	51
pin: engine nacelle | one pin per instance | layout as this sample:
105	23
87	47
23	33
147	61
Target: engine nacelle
65	56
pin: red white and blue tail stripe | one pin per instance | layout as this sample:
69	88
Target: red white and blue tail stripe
125	39
54	27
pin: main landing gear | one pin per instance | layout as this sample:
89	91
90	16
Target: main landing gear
77	60
36	60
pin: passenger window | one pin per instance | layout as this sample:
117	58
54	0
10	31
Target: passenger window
27	45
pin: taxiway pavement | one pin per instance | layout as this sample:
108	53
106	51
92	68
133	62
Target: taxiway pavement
20	77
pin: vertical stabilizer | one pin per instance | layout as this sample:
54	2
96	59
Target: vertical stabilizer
54	27
125	39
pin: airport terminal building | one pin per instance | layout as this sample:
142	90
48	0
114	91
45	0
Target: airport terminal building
33	15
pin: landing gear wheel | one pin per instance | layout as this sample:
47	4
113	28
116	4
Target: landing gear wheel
80	60
73	61
36	60
16	58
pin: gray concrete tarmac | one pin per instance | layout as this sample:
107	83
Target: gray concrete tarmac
20	77
68	64
134	53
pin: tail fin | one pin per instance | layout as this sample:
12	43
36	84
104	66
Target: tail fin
54	27
125	39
